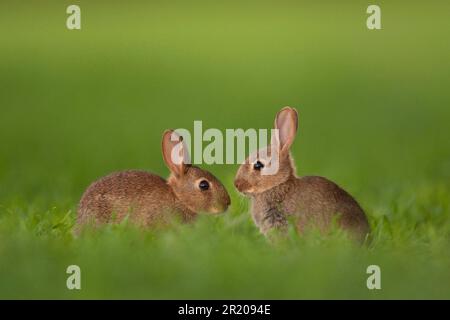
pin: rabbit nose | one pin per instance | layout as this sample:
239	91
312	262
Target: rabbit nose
227	201
240	184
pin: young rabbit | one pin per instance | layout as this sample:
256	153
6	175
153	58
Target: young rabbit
278	195
148	198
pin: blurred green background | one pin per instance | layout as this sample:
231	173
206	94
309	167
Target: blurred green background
374	117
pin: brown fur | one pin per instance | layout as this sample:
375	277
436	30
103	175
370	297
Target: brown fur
310	200
149	199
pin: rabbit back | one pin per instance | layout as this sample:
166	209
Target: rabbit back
144	196
311	200
318	200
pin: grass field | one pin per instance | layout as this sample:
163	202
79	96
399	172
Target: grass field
374	117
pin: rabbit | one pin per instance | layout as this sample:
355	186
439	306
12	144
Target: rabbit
310	200
148	198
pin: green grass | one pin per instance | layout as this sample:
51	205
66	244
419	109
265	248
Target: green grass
374	117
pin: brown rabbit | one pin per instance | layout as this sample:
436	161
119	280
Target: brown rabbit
148	198
310	200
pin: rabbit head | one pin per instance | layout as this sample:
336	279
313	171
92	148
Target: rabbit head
197	189
273	165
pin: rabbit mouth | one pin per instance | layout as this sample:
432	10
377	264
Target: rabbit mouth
247	192
220	207
216	210
243	186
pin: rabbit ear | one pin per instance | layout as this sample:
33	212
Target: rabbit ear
286	122
174	152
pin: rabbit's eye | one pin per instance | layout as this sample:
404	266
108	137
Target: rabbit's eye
258	165
203	185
